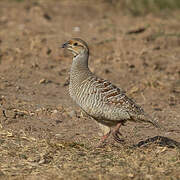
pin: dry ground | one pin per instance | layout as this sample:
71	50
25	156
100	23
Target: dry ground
43	134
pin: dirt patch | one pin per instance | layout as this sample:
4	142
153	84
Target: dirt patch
43	133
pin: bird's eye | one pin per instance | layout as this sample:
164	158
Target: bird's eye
75	44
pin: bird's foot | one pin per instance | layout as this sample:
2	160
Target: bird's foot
116	134
116	137
103	140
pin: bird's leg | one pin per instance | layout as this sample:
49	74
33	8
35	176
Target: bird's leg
105	137
116	133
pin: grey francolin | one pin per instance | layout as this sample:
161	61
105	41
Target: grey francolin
100	99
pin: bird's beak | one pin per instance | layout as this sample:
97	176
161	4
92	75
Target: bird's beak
65	45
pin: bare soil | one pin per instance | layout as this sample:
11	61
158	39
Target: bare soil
43	133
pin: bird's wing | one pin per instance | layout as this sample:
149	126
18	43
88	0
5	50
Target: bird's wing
114	96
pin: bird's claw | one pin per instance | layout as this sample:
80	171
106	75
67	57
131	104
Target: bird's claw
116	137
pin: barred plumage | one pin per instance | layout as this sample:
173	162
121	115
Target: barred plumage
99	98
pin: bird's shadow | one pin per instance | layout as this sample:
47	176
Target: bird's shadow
159	140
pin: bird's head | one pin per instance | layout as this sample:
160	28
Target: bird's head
76	46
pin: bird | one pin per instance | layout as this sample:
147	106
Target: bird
99	98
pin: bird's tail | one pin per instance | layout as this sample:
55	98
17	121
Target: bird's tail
148	119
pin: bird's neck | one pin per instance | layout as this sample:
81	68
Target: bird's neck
79	68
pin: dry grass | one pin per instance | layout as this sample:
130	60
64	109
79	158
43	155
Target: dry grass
50	158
